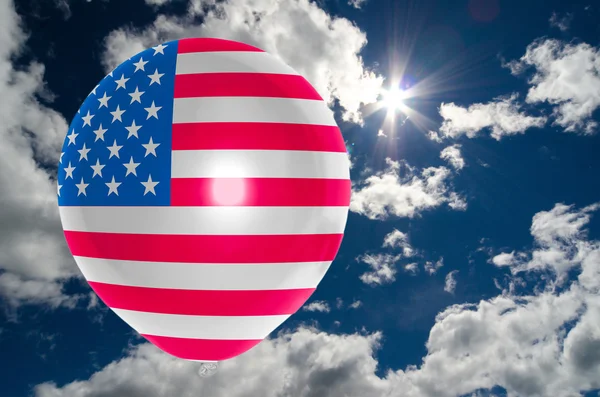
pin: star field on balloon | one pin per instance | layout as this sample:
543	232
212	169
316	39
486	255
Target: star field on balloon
117	151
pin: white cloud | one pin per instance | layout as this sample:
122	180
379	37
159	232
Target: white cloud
566	76
503	116
542	345
412	268
559	247
355	305
397	239
401	191
434	136
504	259
302	363
433	267
357	3
453	156
33	253
324	49
157	2
561	23
383	268
317	306
450	282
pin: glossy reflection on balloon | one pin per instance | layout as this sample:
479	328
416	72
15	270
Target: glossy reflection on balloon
229	191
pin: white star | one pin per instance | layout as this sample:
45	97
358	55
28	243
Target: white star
60	159
69	170
153	111
97	168
136	96
83	152
112	186
150	147
100	133
81	187
114	149
155	77
117	114
93	91
121	82
133	130
159	49
72	137
58	189
139	65
87	119
104	100
149	186
131	166
111	72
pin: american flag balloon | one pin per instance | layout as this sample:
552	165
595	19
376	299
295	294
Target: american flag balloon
203	190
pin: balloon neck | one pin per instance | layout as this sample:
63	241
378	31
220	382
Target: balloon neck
208	368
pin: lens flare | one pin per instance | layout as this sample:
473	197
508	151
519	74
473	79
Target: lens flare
393	100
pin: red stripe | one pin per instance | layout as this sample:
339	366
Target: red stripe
202	302
253	192
205	248
210	44
244	84
201	349
257	136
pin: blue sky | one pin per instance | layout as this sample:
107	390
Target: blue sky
489	284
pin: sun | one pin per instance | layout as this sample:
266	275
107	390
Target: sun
393	100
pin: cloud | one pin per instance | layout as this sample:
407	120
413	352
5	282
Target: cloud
434	136
453	156
63	6
558	242
383	268
561	23
412	268
542	345
317	306
433	267
18	290
450	282
357	3
397	239
324	49
567	76
34	259
157	3
504	259
503	116
355	305
302	363
401	191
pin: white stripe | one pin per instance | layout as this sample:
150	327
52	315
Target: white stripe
231	62
205	220
259	164
201	327
204	276
251	109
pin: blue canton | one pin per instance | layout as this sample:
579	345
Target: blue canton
118	148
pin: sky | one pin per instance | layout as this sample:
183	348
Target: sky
470	264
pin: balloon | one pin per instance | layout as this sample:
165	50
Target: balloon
203	191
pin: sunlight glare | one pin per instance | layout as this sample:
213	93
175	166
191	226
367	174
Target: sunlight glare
394	100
